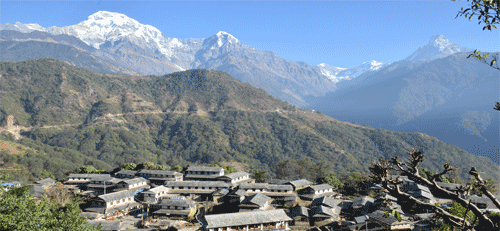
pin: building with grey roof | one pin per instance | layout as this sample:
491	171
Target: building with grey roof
299	184
322	215
122	201
236	177
80	178
314	191
153	195
160	176
325	201
255	220
134	183
255	202
46	182
203	173
125	174
300	216
389	223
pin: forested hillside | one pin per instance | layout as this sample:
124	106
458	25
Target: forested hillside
195	116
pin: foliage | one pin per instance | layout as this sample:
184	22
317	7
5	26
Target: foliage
259	176
129	166
19	212
177	168
60	195
393	213
331	180
117	120
355	183
87	169
491	185
455	209
229	169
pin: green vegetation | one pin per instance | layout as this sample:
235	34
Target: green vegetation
190	117
20	212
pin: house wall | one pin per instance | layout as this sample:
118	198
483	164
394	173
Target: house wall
122	201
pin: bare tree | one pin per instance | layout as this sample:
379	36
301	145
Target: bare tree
409	168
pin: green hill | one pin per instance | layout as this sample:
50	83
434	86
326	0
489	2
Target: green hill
194	116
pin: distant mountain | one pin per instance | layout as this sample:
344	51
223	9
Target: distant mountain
336	74
194	116
438	47
451	98
17	46
144	49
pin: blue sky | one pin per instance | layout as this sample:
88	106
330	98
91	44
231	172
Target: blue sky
339	33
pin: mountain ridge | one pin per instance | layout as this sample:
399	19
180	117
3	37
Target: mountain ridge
201	116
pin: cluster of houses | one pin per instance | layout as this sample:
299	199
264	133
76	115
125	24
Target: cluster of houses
245	205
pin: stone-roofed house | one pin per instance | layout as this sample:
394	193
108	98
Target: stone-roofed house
193	189
174	208
203	173
299	184
448	186
315	191
389	223
236	177
125	174
110	203
326	201
81	178
255	202
159	177
220	195
322	215
154	194
482	202
46	182
255	220
300	216
362	205
277	181
102	184
134	183
419	191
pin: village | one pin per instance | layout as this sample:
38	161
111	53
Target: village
205	198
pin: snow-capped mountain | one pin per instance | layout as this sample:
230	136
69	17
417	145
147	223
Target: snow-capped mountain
335	74
438	47
144	49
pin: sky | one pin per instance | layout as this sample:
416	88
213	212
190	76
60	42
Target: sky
339	33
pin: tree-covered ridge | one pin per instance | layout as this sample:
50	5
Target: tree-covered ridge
196	116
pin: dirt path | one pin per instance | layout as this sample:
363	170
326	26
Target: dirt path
15	130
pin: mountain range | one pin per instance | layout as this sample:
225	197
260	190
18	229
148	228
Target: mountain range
127	46
70	115
450	98
434	85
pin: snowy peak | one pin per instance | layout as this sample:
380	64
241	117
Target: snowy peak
335	74
218	40
109	18
438	47
439	41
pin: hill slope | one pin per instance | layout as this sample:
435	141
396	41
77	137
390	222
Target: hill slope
195	116
449	98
